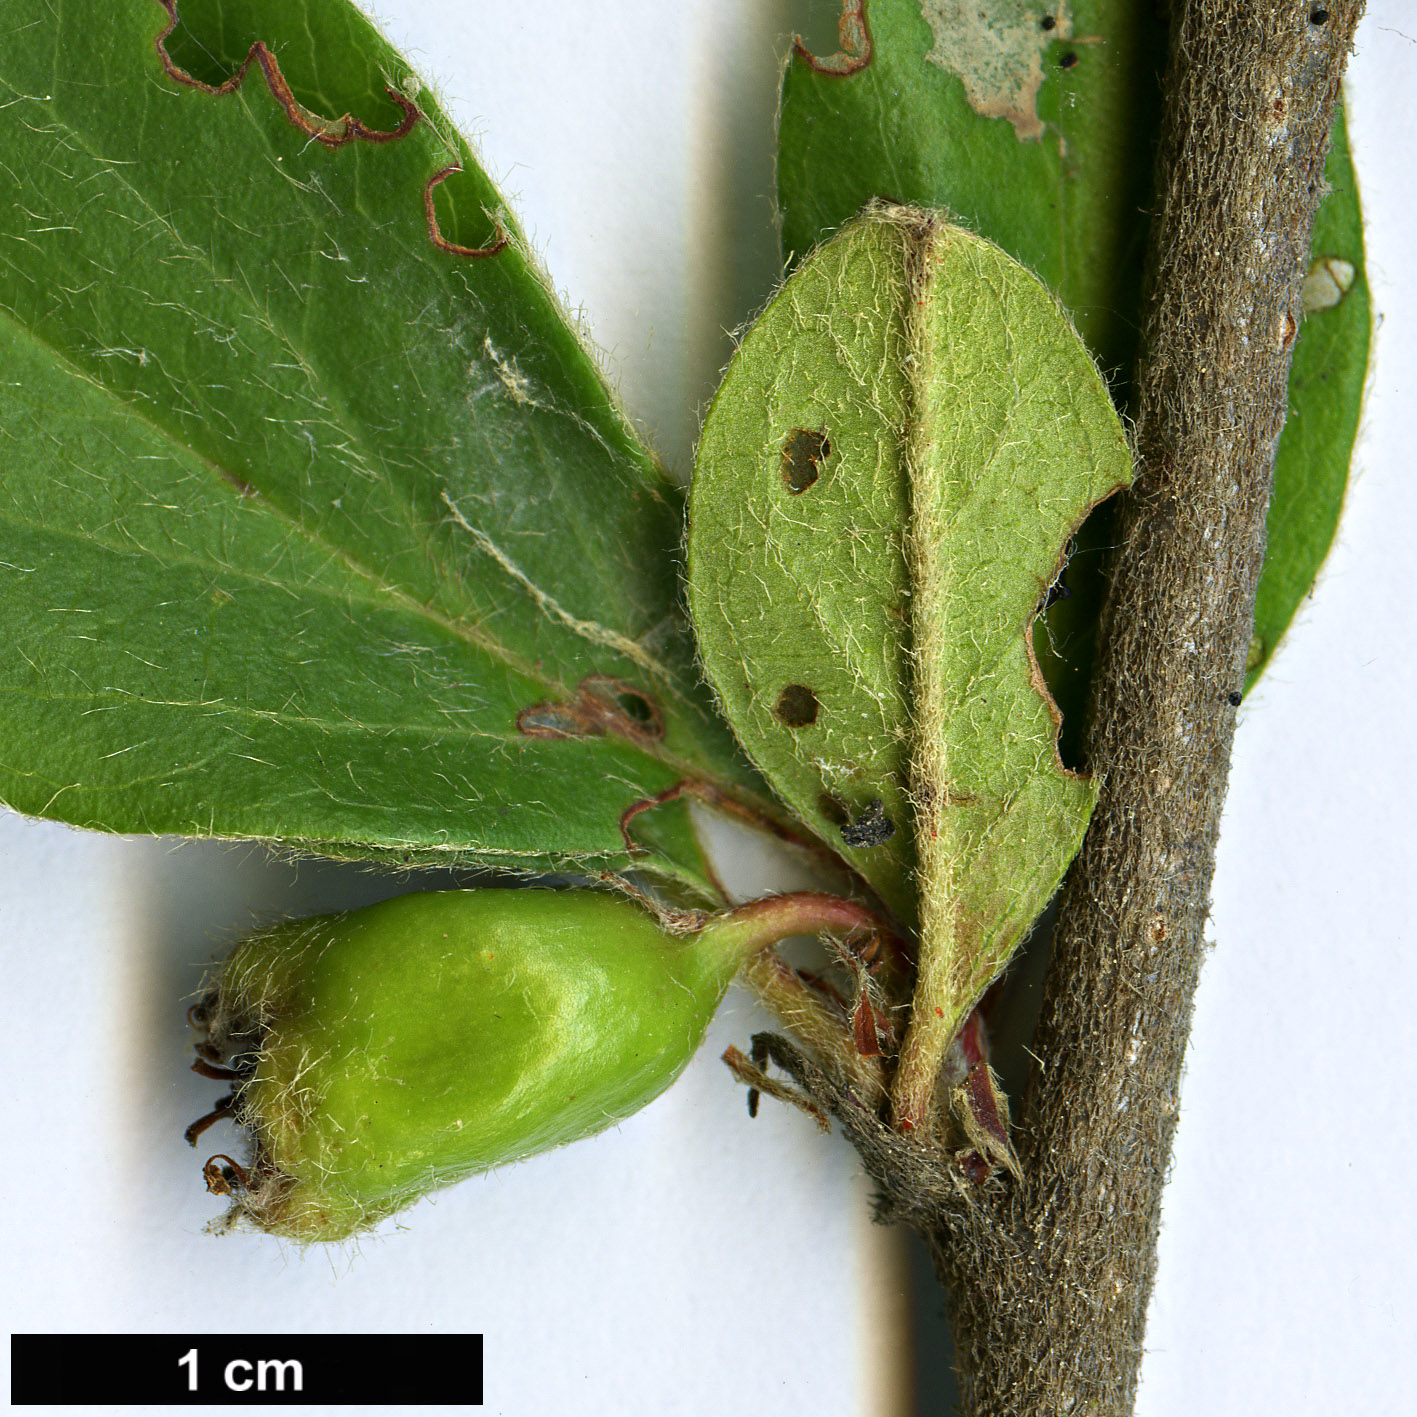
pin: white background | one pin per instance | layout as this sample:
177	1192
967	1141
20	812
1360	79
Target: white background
690	1262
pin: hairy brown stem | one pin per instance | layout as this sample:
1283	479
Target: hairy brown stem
1048	1280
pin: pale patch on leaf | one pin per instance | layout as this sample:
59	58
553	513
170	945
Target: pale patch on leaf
1327	282
996	48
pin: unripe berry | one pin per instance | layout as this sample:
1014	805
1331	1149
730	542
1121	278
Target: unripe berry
387	1051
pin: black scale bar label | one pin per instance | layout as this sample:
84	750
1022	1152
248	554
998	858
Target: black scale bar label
365	1370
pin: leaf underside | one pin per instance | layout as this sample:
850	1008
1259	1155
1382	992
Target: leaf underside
1035	127
895	460
317	522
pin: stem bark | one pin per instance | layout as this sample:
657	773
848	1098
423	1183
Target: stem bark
1048	1278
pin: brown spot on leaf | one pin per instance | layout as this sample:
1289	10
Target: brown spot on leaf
548	720
803	453
854	37
928	797
797	706
602	705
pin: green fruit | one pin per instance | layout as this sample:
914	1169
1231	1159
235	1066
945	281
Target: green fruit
390	1050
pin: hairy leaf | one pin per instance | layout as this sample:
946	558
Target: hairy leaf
317	522
898	454
1035	126
1032	124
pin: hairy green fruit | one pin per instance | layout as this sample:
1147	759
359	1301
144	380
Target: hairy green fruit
390	1050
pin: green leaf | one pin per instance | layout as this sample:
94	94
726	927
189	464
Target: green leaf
317	522
1061	181
1040	136
887	478
1326	384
